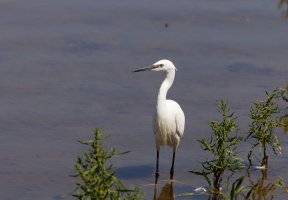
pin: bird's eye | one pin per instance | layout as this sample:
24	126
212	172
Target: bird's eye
161	65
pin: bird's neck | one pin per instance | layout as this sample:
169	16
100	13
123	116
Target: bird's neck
165	86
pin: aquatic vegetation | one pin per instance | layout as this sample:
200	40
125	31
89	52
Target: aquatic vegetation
265	121
284	95
283	91
285	127
97	175
262	130
236	189
222	145
281	184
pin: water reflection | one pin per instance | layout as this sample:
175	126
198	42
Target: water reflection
261	188
167	192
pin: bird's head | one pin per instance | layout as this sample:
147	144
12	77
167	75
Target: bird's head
161	65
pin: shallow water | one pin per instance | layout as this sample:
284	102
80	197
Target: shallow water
66	69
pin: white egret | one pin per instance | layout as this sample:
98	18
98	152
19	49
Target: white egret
169	119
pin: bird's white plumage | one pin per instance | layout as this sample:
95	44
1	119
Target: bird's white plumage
168	124
169	119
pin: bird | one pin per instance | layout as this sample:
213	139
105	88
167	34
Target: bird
169	118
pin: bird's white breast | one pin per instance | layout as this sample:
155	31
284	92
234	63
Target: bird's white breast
165	127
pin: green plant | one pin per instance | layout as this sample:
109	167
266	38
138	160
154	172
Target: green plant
236	189
284	91
281	184
222	145
98	181
284	95
264	116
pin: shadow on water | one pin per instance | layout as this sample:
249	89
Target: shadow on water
134	172
58	197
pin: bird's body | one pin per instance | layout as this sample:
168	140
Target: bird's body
169	119
168	124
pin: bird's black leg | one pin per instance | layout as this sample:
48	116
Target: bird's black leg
157	168
172	167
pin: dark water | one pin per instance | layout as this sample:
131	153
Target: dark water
66	69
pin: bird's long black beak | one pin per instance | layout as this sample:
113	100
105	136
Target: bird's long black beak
146	68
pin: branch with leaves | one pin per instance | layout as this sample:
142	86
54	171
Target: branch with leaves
262	130
97	175
222	145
